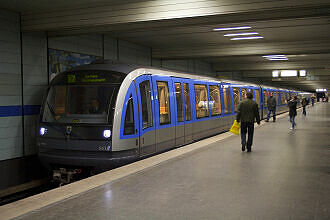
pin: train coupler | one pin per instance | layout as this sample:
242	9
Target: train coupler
65	176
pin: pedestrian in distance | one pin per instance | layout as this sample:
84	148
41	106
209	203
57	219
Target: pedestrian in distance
247	113
304	104
313	100
293	111
271	104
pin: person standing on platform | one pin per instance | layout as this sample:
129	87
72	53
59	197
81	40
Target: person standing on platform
304	103
247	113
313	100
293	111
271	104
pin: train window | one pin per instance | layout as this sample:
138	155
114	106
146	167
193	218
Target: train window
187	101
276	97
146	104
279	98
265	98
201	97
283	98
164	103
244	93
60	100
215	101
179	103
227	100
237	98
129	118
80	104
257	95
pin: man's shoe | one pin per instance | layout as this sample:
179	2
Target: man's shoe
267	121
243	148
249	150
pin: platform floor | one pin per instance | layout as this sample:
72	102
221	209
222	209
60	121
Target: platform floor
287	176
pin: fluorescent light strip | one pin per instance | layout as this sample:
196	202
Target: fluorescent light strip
278	58
241	34
246	38
288	73
232	28
273	56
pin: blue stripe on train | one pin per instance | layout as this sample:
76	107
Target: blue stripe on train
16	110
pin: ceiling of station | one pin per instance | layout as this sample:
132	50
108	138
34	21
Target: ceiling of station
183	29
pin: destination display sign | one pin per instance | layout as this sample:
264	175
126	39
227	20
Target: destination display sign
86	78
89	77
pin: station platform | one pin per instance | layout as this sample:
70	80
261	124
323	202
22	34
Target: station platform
286	176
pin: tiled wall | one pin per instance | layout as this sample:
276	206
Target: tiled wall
10	87
35	81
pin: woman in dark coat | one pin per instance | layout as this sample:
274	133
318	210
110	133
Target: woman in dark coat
293	111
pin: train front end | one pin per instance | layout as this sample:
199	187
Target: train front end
76	120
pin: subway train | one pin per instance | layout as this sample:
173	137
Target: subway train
98	116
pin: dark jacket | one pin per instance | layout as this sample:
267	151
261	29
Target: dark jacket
304	102
292	108
248	111
271	103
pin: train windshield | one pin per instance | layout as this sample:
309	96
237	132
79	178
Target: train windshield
80	104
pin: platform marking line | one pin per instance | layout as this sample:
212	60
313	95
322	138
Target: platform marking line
53	196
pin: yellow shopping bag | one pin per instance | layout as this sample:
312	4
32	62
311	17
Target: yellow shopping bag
235	128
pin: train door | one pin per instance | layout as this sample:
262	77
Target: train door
179	110
243	93
146	115
164	112
258	100
188	127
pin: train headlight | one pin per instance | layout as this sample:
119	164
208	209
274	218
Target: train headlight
42	131
106	133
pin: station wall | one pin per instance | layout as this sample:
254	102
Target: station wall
10	87
24	78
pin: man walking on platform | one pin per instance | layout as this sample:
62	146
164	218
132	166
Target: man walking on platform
247	112
293	111
271	104
304	103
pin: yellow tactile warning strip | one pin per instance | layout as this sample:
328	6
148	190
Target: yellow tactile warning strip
36	202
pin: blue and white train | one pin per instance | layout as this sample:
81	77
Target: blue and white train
100	115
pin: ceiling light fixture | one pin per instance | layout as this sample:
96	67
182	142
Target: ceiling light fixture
274	59
289	73
271	56
276	73
241	34
246	38
302	73
232	28
278	57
